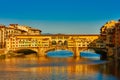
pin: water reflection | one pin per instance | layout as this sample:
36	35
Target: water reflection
47	68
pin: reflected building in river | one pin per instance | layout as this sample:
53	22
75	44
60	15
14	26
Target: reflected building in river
54	68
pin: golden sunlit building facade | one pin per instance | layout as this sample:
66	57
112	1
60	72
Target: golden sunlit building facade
45	43
17	36
2	36
15	29
110	34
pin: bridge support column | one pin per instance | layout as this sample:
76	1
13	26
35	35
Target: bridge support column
76	52
41	52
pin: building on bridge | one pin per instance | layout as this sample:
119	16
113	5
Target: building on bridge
44	43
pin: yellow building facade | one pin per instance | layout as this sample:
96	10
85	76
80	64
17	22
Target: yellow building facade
70	42
15	29
110	34
17	36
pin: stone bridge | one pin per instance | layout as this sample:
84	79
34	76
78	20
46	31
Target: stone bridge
42	51
45	43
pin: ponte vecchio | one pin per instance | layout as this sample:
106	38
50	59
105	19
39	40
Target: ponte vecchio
45	43
18	37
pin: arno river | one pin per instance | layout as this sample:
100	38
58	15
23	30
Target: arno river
59	68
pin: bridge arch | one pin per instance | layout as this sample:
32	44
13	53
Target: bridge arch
102	52
26	51
54	49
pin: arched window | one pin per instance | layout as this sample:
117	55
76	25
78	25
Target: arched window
60	43
53	42
65	43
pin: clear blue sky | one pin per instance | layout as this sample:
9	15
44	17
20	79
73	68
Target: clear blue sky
60	16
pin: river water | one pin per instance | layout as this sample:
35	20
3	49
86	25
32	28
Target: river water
59	68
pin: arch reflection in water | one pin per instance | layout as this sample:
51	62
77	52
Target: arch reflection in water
60	53
91	55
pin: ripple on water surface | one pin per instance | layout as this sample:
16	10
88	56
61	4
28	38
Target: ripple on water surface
49	68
